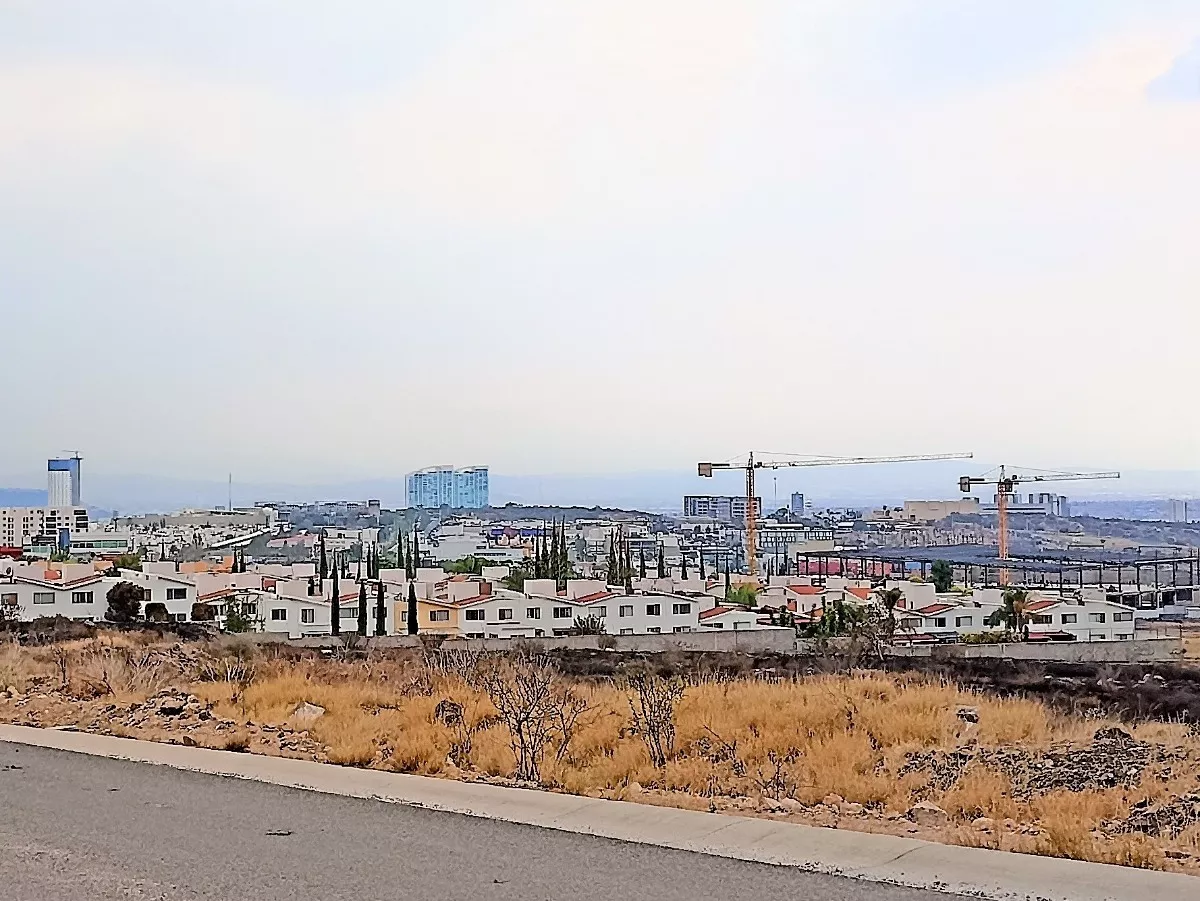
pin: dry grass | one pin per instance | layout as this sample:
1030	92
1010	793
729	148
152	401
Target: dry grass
746	738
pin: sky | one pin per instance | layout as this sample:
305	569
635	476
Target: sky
301	241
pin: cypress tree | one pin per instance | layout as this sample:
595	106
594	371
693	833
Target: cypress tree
662	562
335	605
324	569
727	588
380	610
553	561
612	558
312	589
409	572
682	565
703	575
566	557
641	563
412	609
360	561
362	609
627	563
416	549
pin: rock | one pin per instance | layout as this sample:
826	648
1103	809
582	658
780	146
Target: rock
925	813
968	714
635	787
1176	854
1113	735
172	706
851	809
791	805
832	800
307	711
770	805
984	824
190	742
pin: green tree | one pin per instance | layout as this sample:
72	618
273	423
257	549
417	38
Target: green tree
324	566
127	561
662	562
467	566
515	580
412	609
1015	612
682	565
236	619
703	574
641	563
380	610
746	595
416	546
362	609
942	574
124	602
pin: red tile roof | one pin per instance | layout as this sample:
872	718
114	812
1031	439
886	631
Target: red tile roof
1042	604
593	597
716	611
860	593
933	609
805	589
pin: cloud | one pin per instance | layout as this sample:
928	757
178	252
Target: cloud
1181	81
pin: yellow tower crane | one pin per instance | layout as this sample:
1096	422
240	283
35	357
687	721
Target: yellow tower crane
751	464
1006	483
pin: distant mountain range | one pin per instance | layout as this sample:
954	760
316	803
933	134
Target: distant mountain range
855	486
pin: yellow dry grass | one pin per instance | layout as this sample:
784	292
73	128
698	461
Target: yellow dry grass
846	735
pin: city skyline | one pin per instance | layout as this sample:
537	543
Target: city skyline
841	228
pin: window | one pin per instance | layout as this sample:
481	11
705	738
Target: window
1041	619
653	609
250	609
627	631
681	609
626	610
278	614
940	622
42	597
682	629
505	614
1123	636
962	621
717	626
474	635
910	622
1096	617
533	613
439	616
81	597
176	594
601	612
308	615
10	600
474	615
562	612
181	617
654	630
348	612
1069	618
1123	617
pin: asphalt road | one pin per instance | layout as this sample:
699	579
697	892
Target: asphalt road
74	826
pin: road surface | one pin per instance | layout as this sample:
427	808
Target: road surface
75	826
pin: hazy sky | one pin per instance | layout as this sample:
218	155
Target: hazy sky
302	240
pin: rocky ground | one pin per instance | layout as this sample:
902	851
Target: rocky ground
170	715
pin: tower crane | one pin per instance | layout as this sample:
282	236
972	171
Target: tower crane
1006	483
751	464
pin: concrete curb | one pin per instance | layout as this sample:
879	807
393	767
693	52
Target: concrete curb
877	858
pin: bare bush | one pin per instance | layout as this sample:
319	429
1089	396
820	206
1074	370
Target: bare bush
108	670
653	708
536	706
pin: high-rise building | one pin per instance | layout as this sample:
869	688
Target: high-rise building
445	486
62	482
797	505
726	508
